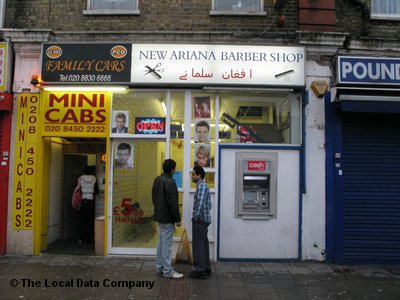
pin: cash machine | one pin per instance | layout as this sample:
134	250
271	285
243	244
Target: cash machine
256	185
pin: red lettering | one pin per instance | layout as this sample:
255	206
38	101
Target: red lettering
49	112
19	187
29	192
18	203
17	220
92	102
63	99
101	116
32	119
70	116
20	169
86	116
21	136
23	102
34	99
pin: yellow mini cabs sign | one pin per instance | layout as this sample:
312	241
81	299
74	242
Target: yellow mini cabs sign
78	114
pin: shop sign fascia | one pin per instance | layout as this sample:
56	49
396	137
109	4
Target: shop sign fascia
77	113
26	162
371	71
80	63
220	65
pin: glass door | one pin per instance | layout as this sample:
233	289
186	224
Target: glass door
139	135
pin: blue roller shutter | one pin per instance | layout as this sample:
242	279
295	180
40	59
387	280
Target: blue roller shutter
370	207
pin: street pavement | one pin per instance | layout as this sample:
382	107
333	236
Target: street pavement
92	277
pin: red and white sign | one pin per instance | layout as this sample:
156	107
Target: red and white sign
256	165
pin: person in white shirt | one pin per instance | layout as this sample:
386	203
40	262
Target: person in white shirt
89	188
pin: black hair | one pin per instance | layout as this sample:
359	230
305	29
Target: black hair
124	146
90	170
199	171
168	166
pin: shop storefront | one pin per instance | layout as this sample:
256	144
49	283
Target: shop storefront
235	110
363	191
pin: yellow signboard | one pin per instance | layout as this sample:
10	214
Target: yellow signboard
4	53
25	190
77	114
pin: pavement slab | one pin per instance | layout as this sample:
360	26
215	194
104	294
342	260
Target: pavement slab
60	276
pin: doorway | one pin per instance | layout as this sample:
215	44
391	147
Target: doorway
68	160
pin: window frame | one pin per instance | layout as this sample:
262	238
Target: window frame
384	16
260	12
89	11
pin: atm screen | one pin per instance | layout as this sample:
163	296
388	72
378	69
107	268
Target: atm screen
250	196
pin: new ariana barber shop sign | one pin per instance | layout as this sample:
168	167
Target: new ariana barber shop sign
217	65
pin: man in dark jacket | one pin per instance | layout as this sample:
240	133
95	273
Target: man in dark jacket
166	213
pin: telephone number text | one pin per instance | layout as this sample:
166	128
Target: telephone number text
85	78
74	128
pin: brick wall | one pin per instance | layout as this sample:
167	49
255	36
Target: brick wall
317	15
160	15
353	16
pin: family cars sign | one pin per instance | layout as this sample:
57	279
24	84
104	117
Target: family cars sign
86	63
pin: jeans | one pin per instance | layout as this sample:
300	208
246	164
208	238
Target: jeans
164	249
201	250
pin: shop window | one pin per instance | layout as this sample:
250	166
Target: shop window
116	7
238	7
177	145
135	165
138	113
385	9
259	117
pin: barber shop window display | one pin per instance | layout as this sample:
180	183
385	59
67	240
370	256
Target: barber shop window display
271	117
203	139
135	164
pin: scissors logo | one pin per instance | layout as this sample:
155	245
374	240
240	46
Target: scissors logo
154	71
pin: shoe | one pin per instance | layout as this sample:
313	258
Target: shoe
176	275
197	275
208	272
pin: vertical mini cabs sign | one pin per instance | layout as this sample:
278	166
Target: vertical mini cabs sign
77	114
26	161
